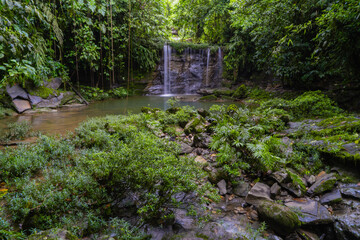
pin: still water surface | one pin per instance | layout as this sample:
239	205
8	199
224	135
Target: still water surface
60	121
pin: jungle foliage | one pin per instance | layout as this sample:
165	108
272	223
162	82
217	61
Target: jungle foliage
96	40
303	43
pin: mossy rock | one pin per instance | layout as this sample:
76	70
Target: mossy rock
279	217
241	92
208	98
196	125
43	92
53	234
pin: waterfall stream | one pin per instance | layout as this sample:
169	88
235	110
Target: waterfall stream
167	59
220	65
207	68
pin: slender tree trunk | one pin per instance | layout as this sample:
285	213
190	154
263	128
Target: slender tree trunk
112	46
109	37
129	49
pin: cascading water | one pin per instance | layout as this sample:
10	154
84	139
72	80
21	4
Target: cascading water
220	64
167	59
207	67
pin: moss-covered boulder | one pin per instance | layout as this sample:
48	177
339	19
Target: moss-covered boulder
196	125
279	217
324	184
208	98
241	92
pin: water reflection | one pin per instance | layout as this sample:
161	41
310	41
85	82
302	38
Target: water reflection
59	121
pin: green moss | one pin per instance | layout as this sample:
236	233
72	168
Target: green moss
43	92
221	92
279	217
208	98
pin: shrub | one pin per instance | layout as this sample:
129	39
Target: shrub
16	131
241	92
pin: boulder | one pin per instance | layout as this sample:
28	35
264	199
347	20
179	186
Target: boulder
347	220
196	125
183	220
351	190
201	140
35	100
222	187
53	102
21	105
241	189
185	148
258	193
306	235
201	160
54	83
331	197
17	92
279	217
323	183
310	211
275	190
280	176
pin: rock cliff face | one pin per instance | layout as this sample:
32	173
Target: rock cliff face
186	72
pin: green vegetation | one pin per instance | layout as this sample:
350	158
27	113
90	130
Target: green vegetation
16	131
97	94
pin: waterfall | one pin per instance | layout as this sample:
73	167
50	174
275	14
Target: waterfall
220	64
167	59
207	68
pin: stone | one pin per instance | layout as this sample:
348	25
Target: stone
17	92
258	193
311	180
347	221
241	189
53	102
35	100
201	140
280	176
275	190
279	217
331	197
185	148
202	112
21	105
306	235
222	187
351	190
201	160
310	211
183	220
323	183
195	125
54	83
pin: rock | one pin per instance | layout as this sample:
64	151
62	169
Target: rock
331	197
280	176
67	97
201	140
305	235
17	92
183	220
52	102
275	190
222	187
278	217
201	160
21	105
347	221
185	149
311	180
53	234
351	191
202	112
54	83
258	193
310	211
323	183
196	125
241	189
35	100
